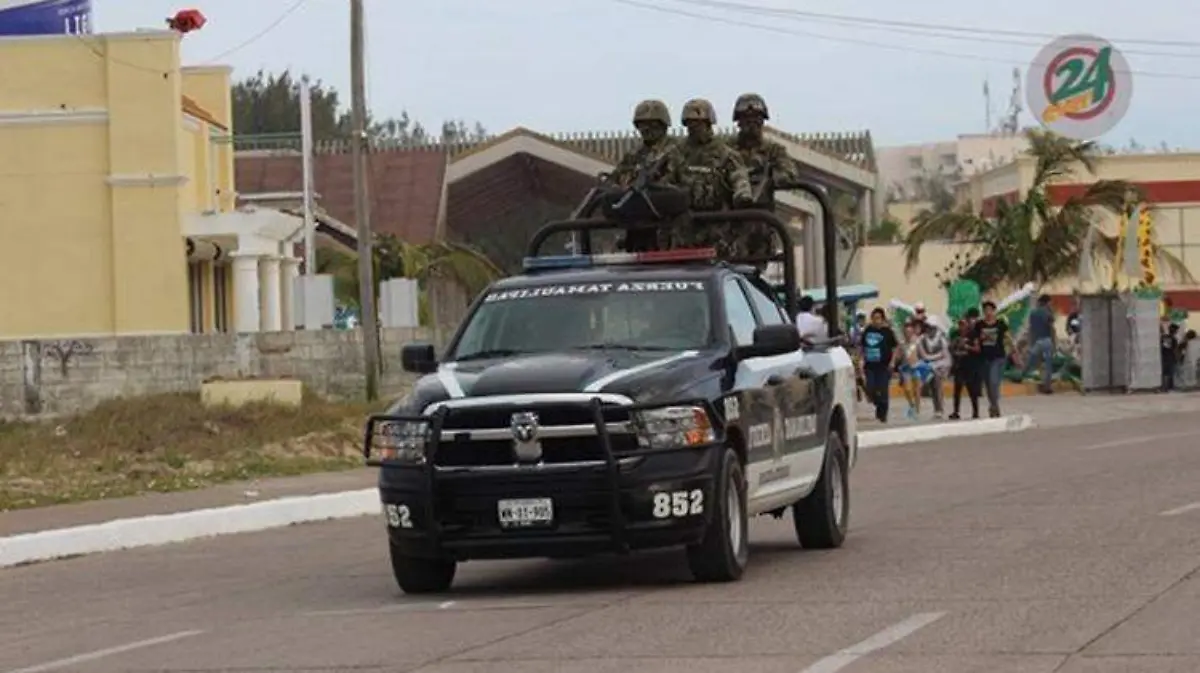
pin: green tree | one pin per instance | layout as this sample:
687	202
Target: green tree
269	105
460	264
1033	240
887	230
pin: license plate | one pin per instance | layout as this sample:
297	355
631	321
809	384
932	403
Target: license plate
526	513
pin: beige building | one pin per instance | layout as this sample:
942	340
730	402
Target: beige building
1171	183
902	167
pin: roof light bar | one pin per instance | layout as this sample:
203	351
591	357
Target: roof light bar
614	258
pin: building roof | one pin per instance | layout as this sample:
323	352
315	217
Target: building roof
407	186
855	148
408	181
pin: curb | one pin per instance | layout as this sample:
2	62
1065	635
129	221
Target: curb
149	531
182	526
927	433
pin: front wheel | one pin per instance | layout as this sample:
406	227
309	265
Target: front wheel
823	518
722	555
418	575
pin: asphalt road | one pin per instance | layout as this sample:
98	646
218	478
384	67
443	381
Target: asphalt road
1068	550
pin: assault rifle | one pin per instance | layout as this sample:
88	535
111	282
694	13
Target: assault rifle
645	177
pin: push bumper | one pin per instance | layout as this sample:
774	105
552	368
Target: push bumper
627	501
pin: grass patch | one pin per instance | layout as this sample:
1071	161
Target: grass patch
171	442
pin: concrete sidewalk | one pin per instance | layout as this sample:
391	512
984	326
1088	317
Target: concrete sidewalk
225	495
1048	411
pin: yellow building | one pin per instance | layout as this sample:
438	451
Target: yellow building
117	199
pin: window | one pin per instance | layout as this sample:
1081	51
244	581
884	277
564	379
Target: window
737	310
769	312
916	163
651	315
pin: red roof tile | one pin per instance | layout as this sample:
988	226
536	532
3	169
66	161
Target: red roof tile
404	186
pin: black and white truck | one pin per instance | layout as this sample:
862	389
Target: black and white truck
602	403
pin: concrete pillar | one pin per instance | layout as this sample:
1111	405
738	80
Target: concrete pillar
272	315
289	271
245	292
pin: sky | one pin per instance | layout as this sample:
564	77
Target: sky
581	65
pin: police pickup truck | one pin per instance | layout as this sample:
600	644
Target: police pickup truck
616	402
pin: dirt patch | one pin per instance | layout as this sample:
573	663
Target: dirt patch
172	443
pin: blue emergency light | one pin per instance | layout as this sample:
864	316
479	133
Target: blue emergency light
617	258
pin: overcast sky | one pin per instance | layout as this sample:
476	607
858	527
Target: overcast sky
578	65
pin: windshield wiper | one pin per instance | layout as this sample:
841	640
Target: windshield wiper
493	353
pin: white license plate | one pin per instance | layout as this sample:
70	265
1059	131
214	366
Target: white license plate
525	513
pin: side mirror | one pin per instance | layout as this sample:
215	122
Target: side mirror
771	340
418	358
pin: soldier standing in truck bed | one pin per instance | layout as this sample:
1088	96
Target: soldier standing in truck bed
711	172
652	119
769	166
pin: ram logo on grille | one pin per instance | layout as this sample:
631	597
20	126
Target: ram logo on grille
525	436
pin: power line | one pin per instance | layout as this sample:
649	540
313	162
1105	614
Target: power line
83	40
866	43
925	30
891	23
260	34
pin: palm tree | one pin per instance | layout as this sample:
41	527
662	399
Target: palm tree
427	263
1033	240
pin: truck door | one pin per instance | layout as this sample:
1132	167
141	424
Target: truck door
796	404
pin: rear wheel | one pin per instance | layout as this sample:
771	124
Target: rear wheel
723	553
823	518
417	575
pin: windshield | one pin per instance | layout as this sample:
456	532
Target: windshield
657	315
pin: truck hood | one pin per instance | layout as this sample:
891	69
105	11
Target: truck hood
640	375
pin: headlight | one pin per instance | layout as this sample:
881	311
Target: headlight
673	427
402	441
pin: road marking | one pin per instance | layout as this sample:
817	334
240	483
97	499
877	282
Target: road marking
1133	441
100	654
446	605
1181	510
889	636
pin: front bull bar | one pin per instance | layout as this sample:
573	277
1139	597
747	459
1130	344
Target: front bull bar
618	528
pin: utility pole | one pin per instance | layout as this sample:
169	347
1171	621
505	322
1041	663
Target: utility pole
362	206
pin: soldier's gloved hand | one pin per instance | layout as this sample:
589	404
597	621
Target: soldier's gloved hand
742	201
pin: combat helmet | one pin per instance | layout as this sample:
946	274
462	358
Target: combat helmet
750	102
652	111
699	109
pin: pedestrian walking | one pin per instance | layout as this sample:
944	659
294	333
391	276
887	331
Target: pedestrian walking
966	365
879	351
995	342
1042	343
934	349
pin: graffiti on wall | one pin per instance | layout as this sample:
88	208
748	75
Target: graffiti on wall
64	352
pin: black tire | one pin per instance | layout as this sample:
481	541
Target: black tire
723	553
417	575
823	518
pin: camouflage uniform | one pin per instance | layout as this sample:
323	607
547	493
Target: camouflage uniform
652	120
711	172
761	156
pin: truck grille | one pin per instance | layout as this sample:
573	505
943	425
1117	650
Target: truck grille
548	415
457	449
467	453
